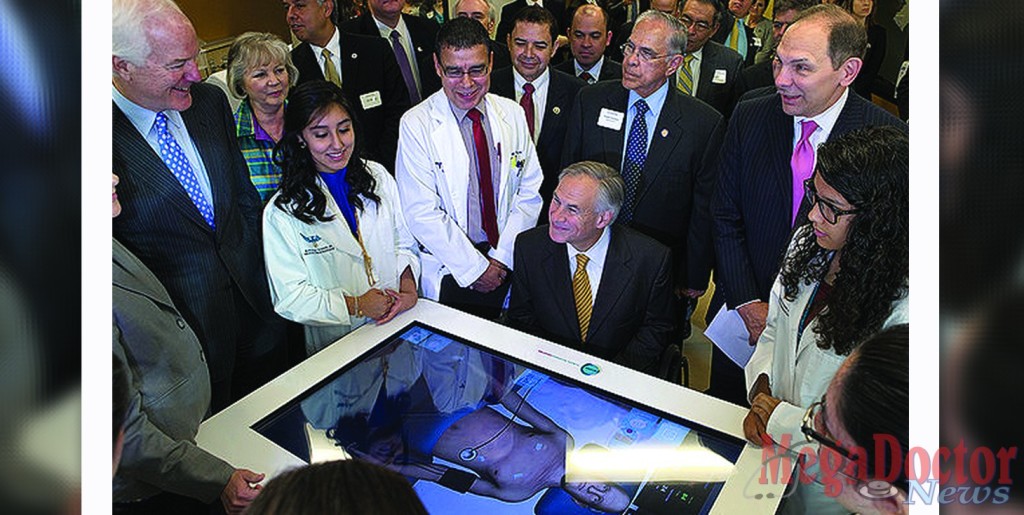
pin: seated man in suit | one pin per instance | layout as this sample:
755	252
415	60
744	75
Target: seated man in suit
364	67
484	12
665	143
410	37
588	38
590	285
468	176
710	71
545	94
768	152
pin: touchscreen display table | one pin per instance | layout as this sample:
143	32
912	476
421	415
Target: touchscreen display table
484	419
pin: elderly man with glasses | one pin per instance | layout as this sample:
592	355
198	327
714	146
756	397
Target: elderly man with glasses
664	142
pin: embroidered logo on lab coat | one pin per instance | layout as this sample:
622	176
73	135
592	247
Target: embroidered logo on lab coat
315	241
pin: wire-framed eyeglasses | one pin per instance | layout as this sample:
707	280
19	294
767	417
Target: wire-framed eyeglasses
646	54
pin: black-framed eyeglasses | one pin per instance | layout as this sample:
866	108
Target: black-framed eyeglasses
646	54
807	428
702	26
474	72
828	210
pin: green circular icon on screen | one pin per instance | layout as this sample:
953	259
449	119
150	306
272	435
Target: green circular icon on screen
590	369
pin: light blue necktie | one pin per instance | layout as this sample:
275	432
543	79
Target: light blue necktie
178	164
636	156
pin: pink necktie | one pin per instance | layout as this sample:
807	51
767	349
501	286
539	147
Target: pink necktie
802	164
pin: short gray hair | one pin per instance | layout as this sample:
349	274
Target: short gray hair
128	28
492	11
611	189
253	49
677	38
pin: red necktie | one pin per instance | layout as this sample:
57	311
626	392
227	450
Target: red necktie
483	159
587	77
527	102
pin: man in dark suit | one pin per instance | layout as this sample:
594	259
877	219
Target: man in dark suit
509	11
410	37
735	34
710	71
669	7
674	179
758	199
588	38
590	285
484	12
550	94
190	212
364	67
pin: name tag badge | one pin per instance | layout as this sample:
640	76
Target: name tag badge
719	77
757	41
370	100
610	119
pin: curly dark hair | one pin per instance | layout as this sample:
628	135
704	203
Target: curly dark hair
869	168
299	193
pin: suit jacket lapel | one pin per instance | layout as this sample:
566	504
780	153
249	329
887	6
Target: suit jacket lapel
211	152
130	274
556	271
851	117
557	93
668	132
614	141
147	167
779	134
614	278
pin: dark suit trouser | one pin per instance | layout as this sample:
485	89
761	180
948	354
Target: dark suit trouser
728	381
260	352
483	305
165	503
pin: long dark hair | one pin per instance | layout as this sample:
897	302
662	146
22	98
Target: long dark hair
869	168
300	194
874	396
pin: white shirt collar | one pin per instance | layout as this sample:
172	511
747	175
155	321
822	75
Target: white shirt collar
597	252
594	71
141	117
538	83
385	31
827	118
334	45
655	100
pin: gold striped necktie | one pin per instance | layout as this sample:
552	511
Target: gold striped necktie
685	76
330	72
581	293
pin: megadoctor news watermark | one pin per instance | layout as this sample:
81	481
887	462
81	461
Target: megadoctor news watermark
979	475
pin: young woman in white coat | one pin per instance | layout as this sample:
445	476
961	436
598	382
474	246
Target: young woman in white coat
337	249
844	278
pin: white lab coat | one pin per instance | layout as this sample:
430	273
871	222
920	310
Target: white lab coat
312	267
799	372
433	180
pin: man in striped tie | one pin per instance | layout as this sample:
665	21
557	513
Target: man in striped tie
589	284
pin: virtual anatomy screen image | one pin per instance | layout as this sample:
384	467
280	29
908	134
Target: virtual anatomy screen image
477	433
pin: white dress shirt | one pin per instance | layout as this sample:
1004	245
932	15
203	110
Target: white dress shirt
540	96
406	39
334	46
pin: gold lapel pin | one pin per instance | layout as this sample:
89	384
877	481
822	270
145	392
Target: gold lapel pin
556	109
354	55
664	133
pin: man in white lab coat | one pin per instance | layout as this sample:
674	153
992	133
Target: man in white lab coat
468	176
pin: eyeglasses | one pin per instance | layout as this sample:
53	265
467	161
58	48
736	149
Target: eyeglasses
828	210
646	55
702	26
474	72
850	469
807	428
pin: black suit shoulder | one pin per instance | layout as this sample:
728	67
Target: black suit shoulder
503	82
305	62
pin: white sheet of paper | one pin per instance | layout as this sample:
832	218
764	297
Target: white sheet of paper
729	333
